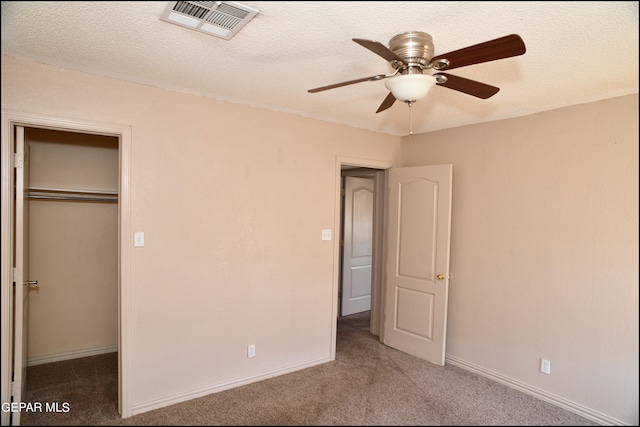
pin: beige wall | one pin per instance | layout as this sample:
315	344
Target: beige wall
73	248
544	250
233	200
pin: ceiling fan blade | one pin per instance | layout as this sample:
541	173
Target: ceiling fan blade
387	103
350	82
500	48
470	87
379	49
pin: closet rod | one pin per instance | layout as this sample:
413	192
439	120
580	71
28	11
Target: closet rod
72	194
107	199
73	190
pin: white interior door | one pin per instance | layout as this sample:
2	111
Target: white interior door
20	272
417	273
358	245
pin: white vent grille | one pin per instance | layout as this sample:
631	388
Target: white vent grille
221	19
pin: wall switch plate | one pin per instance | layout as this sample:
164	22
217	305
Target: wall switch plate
326	234
138	239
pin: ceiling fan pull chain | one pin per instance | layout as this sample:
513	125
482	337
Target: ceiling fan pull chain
410	120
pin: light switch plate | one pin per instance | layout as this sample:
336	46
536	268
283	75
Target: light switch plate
326	234
138	239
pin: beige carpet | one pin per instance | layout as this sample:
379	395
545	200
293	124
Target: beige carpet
368	384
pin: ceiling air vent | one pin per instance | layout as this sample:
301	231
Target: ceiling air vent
218	18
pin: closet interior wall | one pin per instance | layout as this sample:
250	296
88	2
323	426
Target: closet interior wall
73	245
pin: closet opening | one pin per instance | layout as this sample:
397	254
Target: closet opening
113	143
72	224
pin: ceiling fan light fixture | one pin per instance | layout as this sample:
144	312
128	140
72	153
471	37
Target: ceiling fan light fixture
410	87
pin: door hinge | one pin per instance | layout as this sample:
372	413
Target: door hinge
341	243
18	160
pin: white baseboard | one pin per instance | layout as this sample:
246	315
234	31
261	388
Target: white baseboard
573	407
41	360
171	400
570	406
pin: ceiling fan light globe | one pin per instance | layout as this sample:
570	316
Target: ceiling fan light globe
410	87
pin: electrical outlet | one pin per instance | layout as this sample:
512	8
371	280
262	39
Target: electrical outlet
251	350
545	366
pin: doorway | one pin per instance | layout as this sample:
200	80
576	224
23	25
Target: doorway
122	137
377	170
72	230
410	293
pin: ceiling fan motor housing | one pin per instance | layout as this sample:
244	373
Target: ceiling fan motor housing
415	48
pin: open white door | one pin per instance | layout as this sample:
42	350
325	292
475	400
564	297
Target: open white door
20	272
417	273
358	245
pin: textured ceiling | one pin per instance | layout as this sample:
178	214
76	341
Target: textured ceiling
577	52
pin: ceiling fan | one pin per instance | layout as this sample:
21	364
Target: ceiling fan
411	54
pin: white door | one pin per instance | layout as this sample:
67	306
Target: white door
417	273
358	245
20	272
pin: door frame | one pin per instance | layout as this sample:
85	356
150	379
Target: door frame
377	275
123	133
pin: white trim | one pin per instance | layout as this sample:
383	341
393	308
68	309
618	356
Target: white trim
7	264
377	276
124	266
340	160
563	403
183	397
52	358
123	132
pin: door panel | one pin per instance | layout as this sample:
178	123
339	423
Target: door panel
417	278
358	245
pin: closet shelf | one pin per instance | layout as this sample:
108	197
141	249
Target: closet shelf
47	193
